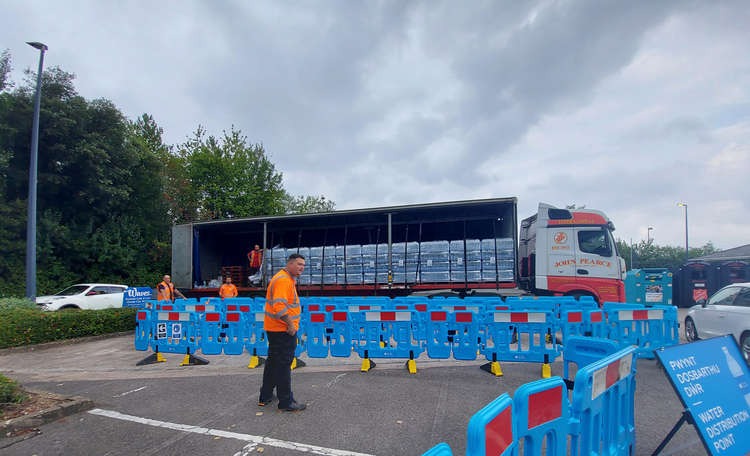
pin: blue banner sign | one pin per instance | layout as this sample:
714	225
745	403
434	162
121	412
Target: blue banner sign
136	297
713	382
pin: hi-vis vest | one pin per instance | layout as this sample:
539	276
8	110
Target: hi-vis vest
255	258
227	290
281	299
165	292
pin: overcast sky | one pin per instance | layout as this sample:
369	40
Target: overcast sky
624	106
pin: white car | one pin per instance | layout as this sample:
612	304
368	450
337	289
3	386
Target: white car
727	312
88	296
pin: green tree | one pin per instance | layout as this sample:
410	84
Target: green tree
307	204
5	69
228	178
650	255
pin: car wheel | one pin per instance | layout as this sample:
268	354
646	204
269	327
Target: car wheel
69	307
691	334
745	346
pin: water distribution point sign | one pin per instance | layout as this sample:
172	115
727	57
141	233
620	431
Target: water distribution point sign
713	382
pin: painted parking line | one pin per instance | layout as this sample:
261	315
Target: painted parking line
253	439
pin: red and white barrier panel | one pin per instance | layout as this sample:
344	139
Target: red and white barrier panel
173	316
520	317
657	314
612	373
387	316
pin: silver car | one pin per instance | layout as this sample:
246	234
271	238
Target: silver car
726	312
88	296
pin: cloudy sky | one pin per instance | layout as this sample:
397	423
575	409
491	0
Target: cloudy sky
623	106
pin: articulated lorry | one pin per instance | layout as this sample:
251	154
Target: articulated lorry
461	247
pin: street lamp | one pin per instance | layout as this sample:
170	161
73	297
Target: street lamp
648	234
687	254
31	219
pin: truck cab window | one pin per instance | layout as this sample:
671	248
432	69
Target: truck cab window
594	242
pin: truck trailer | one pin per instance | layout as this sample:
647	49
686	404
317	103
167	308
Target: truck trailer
459	247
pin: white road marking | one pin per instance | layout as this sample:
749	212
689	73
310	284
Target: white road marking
335	380
131	391
252	439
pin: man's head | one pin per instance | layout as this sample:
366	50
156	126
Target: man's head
167	279
257	247
295	264
228	279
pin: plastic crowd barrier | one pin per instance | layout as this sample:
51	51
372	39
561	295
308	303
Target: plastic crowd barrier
533	330
598	419
648	328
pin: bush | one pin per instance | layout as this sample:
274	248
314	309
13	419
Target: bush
10	392
16	303
21	325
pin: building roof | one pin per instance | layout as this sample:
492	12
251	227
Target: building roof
738	253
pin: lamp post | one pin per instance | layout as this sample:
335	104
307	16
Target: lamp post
648	234
687	254
31	219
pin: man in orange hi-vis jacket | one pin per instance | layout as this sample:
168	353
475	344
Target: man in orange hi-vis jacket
281	324
166	291
255	257
227	289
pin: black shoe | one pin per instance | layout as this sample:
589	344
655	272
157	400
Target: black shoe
293	407
264	402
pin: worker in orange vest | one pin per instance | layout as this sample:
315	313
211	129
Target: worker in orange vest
227	289
165	291
281	324
255	257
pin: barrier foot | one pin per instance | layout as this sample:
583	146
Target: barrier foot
411	366
493	368
367	365
153	358
296	362
546	371
256	361
192	360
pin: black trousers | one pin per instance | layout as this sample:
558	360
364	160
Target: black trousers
278	371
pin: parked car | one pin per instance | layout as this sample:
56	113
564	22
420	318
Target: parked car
726	312
89	296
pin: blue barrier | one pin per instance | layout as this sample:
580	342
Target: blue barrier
542	413
603	406
452	332
490	430
317	324
143	328
175	332
341	335
597	421
384	334
582	351
234	333
210	330
531	329
644	327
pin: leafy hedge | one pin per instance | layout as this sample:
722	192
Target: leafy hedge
22	324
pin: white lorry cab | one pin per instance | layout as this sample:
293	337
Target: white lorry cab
570	252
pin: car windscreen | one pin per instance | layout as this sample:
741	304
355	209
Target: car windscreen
74	290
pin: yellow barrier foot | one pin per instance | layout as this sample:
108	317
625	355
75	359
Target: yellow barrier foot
546	371
255	361
296	363
493	368
192	360
153	358
411	366
367	365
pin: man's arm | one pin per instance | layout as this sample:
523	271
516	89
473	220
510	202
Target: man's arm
178	292
289	325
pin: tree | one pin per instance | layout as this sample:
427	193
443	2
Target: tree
228	178
650	255
307	204
5	69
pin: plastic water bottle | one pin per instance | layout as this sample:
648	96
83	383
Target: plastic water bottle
734	366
